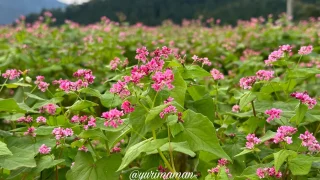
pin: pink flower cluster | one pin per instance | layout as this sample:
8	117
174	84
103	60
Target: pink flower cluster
308	140
264	75
41	119
127	107
273	114
113	118
116	62
30	131
42	86
236	108
305	50
49	108
84	76
83	119
268	172
221	163
142	54
117	148
43	149
162	79
216	74
274	56
62	133
286	48
204	61
283	134
83	148
120	88
168	110
251	141
247	82
23	119
305	99
11	74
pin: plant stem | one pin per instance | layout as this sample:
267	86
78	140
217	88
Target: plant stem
170	150
253	109
155	98
106	144
161	154
98	157
4	84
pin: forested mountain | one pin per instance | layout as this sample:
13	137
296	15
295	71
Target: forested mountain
12	9
153	12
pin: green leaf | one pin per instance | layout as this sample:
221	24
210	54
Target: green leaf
179	90
44	130
4	151
82	104
92	133
85	168
110	100
269	135
145	146
301	164
204	106
200	133
34	96
245	151
182	147
281	156
303	73
46	162
91	92
154	113
197	92
300	113
246	99
10	105
20	158
15	85
194	71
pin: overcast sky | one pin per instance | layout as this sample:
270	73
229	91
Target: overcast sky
73	1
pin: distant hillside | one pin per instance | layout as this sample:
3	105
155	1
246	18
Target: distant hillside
12	9
153	12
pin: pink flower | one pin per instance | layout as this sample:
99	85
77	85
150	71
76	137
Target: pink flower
30	132
156	64
42	86
285	48
305	50
283	134
222	162
204	61
268	172
75	119
41	119
251	141
169	100
168	110
216	74
83	148
247	82
236	108
62	133
214	170
114	63
91	123
162	79
11	74
308	140
113	118
273	114
127	107
264	75
120	89
305	99
49	108
27	119
85	74
44	149
142	54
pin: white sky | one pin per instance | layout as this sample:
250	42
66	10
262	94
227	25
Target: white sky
73	1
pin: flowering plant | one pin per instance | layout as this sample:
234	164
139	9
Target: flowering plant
157	109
